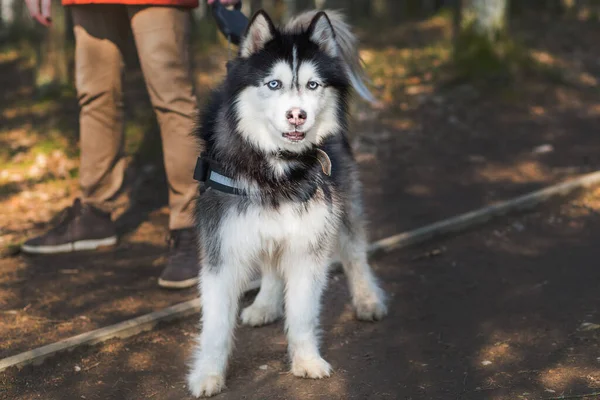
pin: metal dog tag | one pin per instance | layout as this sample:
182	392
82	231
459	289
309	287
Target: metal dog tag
325	162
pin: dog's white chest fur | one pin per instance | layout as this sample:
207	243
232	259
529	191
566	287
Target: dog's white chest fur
292	227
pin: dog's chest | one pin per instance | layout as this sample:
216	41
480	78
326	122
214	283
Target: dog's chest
299	223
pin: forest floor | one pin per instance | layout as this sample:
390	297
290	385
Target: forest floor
437	146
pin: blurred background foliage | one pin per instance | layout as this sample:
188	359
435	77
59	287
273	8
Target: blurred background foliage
412	49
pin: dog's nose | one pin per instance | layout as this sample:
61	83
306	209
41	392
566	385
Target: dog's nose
296	116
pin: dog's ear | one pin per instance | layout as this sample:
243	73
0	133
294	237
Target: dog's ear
260	30
321	32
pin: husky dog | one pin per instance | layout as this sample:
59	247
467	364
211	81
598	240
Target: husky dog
282	194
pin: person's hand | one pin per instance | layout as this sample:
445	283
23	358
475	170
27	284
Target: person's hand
224	2
40	10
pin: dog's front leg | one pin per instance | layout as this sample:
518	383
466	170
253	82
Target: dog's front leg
220	287
305	282
268	304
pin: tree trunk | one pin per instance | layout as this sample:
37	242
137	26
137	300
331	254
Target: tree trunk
486	18
20	19
53	51
483	48
289	10
200	13
457	6
255	5
379	8
303	5
428	7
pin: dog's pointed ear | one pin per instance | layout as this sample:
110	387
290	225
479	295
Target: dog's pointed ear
321	32
260	30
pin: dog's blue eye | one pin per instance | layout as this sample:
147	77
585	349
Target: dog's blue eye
274	84
312	85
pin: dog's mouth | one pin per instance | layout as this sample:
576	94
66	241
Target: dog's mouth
294	136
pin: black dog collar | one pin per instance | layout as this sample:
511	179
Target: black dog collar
213	176
209	172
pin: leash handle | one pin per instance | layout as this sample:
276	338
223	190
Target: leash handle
231	23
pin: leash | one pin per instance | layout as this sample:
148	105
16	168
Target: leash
231	22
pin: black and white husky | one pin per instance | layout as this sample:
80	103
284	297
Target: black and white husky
283	192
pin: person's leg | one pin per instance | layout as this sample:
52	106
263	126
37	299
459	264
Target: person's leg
100	34
162	38
100	31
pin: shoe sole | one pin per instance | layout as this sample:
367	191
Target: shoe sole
80	245
178	284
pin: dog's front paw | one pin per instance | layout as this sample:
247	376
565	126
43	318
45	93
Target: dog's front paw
203	385
314	368
370	306
255	315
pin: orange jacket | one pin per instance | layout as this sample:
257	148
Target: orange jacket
178	3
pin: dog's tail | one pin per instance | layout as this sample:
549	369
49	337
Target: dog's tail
348	46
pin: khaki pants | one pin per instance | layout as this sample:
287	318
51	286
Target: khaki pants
161	37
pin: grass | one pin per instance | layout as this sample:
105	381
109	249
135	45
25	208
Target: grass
503	58
43	120
401	67
408	67
397	72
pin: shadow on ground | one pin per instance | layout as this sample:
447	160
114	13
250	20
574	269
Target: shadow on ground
494	314
508	296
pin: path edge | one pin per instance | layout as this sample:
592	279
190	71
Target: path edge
429	232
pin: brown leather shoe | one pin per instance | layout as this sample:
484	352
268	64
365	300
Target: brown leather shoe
81	227
183	266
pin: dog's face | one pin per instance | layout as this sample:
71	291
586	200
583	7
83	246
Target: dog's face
294	85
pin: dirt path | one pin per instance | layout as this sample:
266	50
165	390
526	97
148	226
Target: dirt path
462	150
506	312
409	181
45	299
433	152
52	298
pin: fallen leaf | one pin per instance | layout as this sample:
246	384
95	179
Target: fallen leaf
69	271
542	149
588	326
430	254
